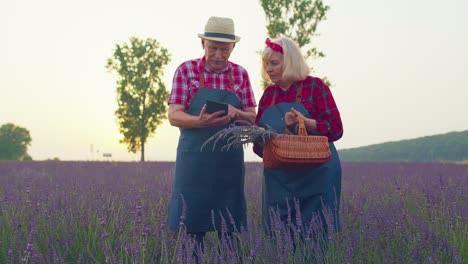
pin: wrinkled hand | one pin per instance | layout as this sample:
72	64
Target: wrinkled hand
233	112
214	119
290	118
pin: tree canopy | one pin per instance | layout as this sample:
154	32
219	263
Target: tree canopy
141	93
14	142
297	19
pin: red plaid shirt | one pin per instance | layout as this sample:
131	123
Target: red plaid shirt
316	98
186	82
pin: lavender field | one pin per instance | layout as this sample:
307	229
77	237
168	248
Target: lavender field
115	212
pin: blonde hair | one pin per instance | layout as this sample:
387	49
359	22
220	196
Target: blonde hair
295	67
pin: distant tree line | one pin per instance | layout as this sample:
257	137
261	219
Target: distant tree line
449	147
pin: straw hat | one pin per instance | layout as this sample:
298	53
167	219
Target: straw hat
220	29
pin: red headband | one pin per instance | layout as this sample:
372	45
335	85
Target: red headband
274	46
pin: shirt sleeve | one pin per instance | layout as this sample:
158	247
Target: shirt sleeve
327	114
247	94
179	89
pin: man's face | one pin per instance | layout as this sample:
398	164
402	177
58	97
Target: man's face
217	54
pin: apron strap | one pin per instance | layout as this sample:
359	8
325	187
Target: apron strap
231	80
298	100
202	79
298	96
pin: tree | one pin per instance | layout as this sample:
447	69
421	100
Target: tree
14	142
297	19
141	94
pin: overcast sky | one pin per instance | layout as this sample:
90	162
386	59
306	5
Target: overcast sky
398	68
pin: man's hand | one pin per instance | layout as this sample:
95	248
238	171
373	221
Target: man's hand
215	119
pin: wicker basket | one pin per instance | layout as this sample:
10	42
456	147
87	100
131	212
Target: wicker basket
293	152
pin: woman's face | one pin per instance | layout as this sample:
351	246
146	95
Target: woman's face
217	54
274	67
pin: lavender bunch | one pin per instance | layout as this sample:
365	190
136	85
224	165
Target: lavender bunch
240	133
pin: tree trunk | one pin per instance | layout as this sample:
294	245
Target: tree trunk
142	150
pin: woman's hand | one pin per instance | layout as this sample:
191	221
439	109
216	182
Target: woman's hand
290	118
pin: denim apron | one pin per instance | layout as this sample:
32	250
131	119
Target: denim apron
314	188
208	187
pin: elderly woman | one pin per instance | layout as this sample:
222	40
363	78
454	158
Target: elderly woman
298	196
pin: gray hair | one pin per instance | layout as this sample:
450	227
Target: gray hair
295	67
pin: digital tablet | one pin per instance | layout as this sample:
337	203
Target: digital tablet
213	106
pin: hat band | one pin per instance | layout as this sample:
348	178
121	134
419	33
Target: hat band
219	35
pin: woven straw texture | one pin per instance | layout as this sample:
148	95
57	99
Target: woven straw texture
289	152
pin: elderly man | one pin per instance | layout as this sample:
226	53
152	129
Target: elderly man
209	183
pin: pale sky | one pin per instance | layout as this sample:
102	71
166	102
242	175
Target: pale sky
399	68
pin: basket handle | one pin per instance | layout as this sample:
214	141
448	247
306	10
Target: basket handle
302	129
